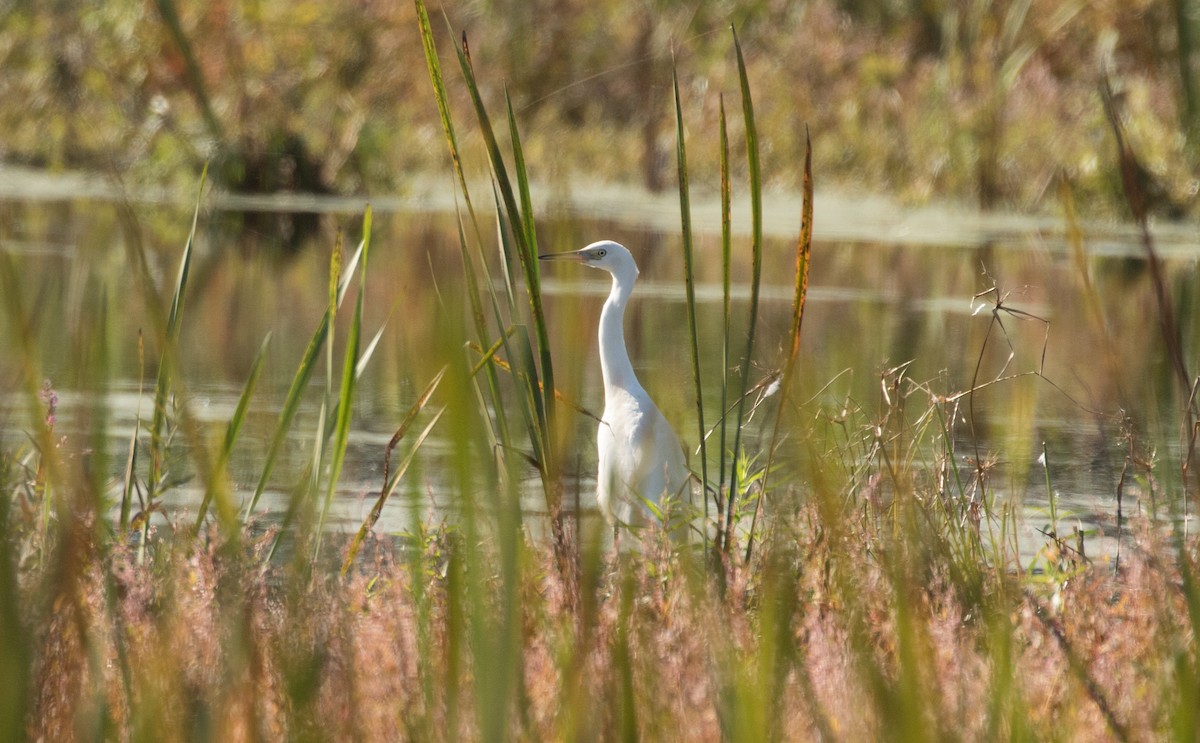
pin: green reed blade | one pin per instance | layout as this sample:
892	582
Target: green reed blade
509	255
17	648
443	100
473	286
10	289
345	271
233	428
185	264
308	364
524	373
170	336
756	229
195	76
803	252
407	421
291	405
529	262
540	410
130	482
685	211
726	290
368	351
495	158
525	250
501	433
350	366
390	485
523	369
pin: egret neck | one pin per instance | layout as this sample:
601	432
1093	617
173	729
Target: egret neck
614	358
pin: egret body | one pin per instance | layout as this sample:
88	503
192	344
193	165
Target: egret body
640	456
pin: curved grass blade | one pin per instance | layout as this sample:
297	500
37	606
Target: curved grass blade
685	211
515	213
528	247
234	428
529	262
407	421
291	405
525	250
756	229
130	483
166	327
443	100
170	336
803	252
389	486
726	291
350	368
473	292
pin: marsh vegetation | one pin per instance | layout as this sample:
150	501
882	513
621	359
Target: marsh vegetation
342	490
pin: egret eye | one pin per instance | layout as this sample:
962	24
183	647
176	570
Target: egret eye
601	253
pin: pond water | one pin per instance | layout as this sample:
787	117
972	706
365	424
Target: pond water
890	288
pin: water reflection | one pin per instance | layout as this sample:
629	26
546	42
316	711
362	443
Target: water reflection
873	306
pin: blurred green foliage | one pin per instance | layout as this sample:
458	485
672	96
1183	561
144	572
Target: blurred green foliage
983	101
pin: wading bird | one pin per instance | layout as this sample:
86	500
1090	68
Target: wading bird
641	459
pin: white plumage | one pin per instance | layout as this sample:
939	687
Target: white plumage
640	456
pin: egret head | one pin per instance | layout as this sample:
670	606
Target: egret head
605	254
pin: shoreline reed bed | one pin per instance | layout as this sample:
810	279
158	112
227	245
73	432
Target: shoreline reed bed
846	633
868	585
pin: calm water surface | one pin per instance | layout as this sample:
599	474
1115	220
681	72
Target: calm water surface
889	288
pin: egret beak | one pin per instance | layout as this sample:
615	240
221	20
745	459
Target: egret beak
572	255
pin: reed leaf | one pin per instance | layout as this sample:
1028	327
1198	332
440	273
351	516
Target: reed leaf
498	432
169	337
390	485
525	251
756	231
291	405
514	221
726	291
442	98
803	253
130	481
233	428
350	371
474	293
16	641
495	158
685	212
529	262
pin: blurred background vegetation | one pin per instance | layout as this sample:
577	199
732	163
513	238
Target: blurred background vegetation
976	101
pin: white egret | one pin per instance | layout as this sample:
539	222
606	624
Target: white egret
641	459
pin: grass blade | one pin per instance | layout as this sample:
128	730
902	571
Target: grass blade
234	427
526	252
407	421
16	643
685	211
390	485
473	289
540	391
350	365
170	336
726	290
529	262
756	229
443	100
803	252
130	483
291	405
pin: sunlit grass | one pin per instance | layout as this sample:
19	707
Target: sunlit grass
887	594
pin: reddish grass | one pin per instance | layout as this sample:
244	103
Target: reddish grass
213	646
